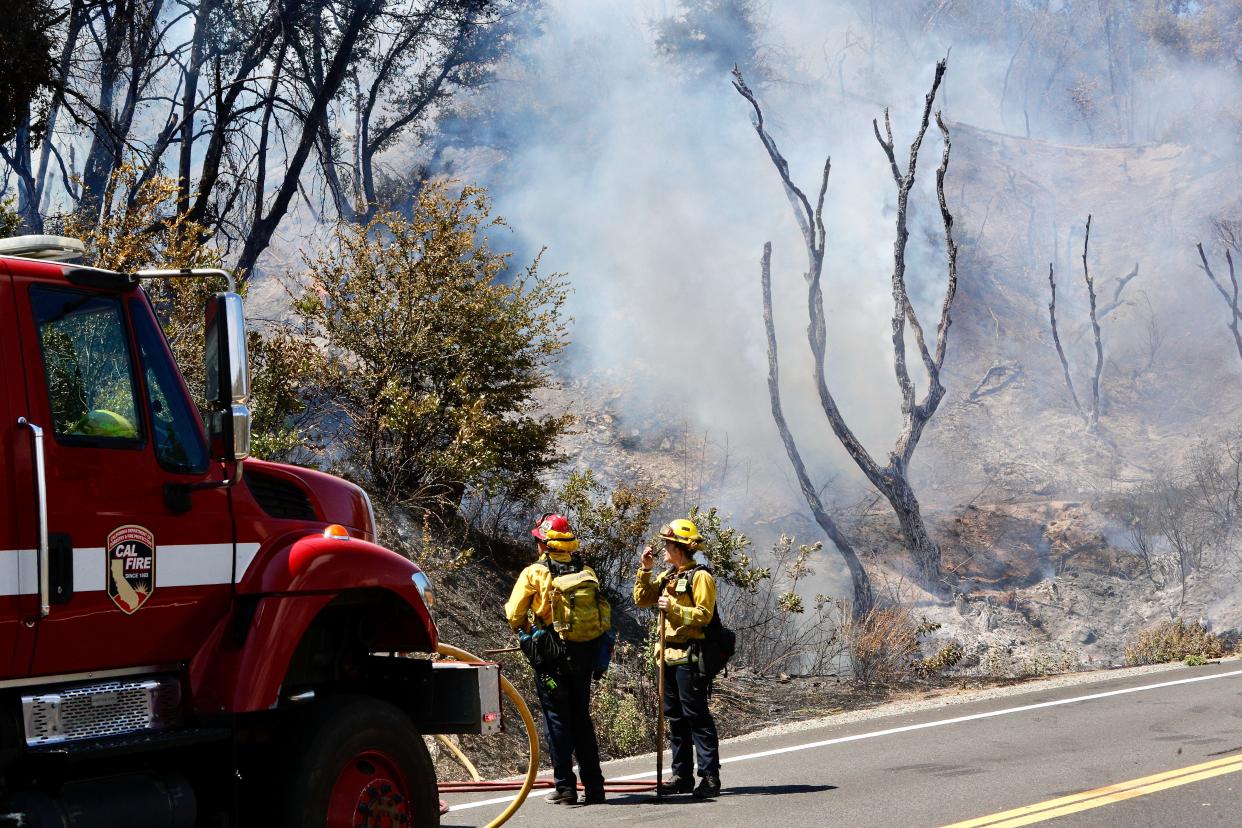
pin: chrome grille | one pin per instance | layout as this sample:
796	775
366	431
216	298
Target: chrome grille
108	708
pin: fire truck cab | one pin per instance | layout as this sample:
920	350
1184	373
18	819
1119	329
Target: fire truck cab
188	636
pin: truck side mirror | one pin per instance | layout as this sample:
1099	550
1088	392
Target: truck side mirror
228	378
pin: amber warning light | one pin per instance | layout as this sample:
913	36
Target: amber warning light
337	532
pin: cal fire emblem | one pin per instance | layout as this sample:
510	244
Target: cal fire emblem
130	560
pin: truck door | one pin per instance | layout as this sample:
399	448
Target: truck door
18	603
139	579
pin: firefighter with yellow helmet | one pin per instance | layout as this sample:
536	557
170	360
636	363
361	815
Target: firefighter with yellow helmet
686	592
563	620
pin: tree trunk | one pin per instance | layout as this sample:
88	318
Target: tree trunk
922	547
260	235
189	103
19	161
106	144
864	595
77	18
890	479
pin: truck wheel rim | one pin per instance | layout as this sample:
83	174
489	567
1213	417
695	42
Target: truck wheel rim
370	792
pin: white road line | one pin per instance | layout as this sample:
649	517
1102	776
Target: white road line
905	729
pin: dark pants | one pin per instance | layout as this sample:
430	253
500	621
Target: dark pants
567	713
687	714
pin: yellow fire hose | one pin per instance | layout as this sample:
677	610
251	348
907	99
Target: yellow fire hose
532	736
462	758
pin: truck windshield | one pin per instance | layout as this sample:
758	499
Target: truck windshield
179	444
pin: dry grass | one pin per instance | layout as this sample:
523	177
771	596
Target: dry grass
883	645
1174	641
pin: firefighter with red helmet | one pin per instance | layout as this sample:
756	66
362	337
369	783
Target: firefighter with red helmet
561	618
686	592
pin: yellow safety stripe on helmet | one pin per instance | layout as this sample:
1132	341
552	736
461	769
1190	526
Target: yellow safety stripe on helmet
567	545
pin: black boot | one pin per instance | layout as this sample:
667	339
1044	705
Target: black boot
676	785
709	787
594	796
559	797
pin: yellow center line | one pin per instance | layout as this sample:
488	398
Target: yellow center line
1106	795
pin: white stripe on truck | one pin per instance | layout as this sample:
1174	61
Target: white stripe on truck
176	565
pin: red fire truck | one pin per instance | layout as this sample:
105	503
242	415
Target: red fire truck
187	638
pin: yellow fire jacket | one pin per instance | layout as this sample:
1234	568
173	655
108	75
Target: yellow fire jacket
533	591
694	602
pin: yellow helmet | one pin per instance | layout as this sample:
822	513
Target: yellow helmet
682	531
101	422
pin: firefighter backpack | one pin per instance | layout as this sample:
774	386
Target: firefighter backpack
719	643
580	612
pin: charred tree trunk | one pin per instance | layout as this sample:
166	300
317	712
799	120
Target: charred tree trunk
891	479
189	102
1230	296
1095	331
260	235
77	19
1056	340
864	595
910	517
19	161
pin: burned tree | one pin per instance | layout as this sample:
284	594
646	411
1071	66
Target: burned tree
1117	291
864	596
890	479
1095	331
1229	295
1056	339
1093	417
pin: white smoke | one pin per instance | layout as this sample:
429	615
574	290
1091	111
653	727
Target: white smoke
650	189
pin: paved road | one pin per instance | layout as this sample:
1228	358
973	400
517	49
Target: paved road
1152	749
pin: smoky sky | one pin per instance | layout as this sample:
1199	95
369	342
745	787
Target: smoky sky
638	168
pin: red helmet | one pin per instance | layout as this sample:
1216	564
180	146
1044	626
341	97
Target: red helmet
555	531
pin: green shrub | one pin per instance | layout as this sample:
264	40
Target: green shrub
725	551
436	355
622	725
611	524
1173	641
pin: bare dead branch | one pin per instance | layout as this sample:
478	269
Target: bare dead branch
1117	291
903	310
1095	330
1125	280
802	207
1056	340
997	379
890	480
863	594
942	330
1230	296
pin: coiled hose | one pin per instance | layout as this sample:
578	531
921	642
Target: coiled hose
475	784
532	737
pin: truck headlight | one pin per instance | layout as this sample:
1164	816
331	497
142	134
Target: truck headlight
423	583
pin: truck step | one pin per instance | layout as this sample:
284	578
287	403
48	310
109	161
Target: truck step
128	743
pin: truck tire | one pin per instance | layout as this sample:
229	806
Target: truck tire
359	762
